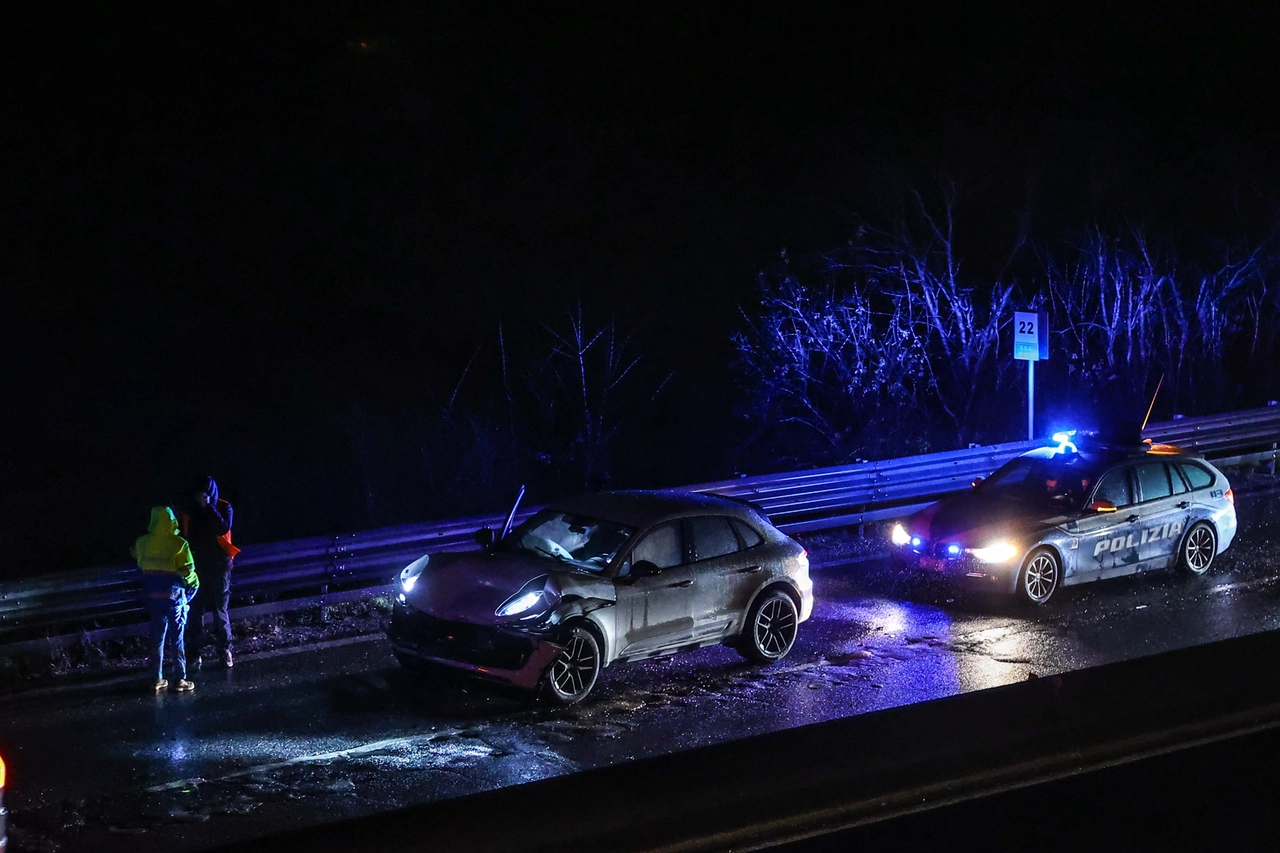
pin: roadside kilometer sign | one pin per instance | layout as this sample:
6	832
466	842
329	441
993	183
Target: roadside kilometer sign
1031	335
1031	344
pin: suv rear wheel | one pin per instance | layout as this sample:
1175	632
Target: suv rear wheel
770	630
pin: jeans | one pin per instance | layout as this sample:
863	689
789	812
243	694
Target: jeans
167	604
215	585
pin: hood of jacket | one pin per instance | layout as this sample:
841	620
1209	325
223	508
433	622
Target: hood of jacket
163	551
209	486
163	522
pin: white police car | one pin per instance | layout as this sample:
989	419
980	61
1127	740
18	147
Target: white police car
1058	516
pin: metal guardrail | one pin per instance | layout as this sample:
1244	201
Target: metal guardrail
279	576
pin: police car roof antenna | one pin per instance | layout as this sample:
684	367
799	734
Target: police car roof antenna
1153	402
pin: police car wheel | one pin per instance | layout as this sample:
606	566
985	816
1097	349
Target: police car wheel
1039	578
1199	547
573	673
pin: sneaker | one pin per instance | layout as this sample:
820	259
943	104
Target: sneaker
184	686
227	660
162	684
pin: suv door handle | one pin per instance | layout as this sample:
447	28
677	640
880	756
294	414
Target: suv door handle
748	571
1131	519
680	584
1183	504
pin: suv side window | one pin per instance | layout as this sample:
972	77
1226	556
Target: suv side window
1179	485
1153	481
1115	487
713	536
661	546
748	534
1198	477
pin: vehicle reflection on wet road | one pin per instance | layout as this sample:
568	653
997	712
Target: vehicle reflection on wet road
296	739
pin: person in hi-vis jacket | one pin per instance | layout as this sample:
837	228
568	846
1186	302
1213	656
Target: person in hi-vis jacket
169	582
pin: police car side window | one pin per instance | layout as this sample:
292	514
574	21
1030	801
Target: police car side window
1153	480
712	537
1196	476
1115	487
1179	485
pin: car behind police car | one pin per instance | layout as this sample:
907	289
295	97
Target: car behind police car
1058	516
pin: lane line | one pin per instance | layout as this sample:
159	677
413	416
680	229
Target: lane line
308	759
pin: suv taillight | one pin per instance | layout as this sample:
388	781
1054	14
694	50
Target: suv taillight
1231	497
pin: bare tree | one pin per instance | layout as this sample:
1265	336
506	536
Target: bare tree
1128	312
889	343
587	387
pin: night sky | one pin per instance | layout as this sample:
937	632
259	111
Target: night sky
223	225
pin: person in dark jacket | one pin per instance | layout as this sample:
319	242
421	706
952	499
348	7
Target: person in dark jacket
206	524
169	583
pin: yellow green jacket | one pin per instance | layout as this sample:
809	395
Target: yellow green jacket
163	551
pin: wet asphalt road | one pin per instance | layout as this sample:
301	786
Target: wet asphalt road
300	738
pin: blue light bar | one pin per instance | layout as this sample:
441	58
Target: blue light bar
953	550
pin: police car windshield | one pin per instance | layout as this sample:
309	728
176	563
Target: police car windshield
1050	482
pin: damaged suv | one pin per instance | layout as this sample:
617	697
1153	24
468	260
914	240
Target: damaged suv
607	577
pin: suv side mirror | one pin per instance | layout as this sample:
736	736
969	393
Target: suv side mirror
644	569
1102	506
484	536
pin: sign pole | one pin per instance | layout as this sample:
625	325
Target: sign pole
1031	400
1031	344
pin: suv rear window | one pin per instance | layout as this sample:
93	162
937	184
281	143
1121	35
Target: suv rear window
712	537
750	538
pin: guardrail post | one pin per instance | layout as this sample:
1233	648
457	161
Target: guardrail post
338	553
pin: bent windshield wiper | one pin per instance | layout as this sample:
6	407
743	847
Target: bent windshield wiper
552	554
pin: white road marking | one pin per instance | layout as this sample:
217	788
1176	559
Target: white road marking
350	752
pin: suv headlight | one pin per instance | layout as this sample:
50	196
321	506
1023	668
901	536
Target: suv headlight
533	599
409	574
899	536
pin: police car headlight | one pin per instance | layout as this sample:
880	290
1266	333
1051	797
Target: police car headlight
899	536
997	552
409	574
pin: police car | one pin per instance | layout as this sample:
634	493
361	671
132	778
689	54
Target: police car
1083	510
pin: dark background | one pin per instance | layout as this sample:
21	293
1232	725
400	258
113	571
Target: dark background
261	240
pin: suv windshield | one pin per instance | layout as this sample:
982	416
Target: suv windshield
1046	482
577	540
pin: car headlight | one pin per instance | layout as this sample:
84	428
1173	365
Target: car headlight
528	598
900	536
409	574
997	552
519	605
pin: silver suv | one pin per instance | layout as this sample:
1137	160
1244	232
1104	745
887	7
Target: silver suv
607	577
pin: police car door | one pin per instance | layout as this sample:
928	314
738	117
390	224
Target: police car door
1163	510
1105	537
